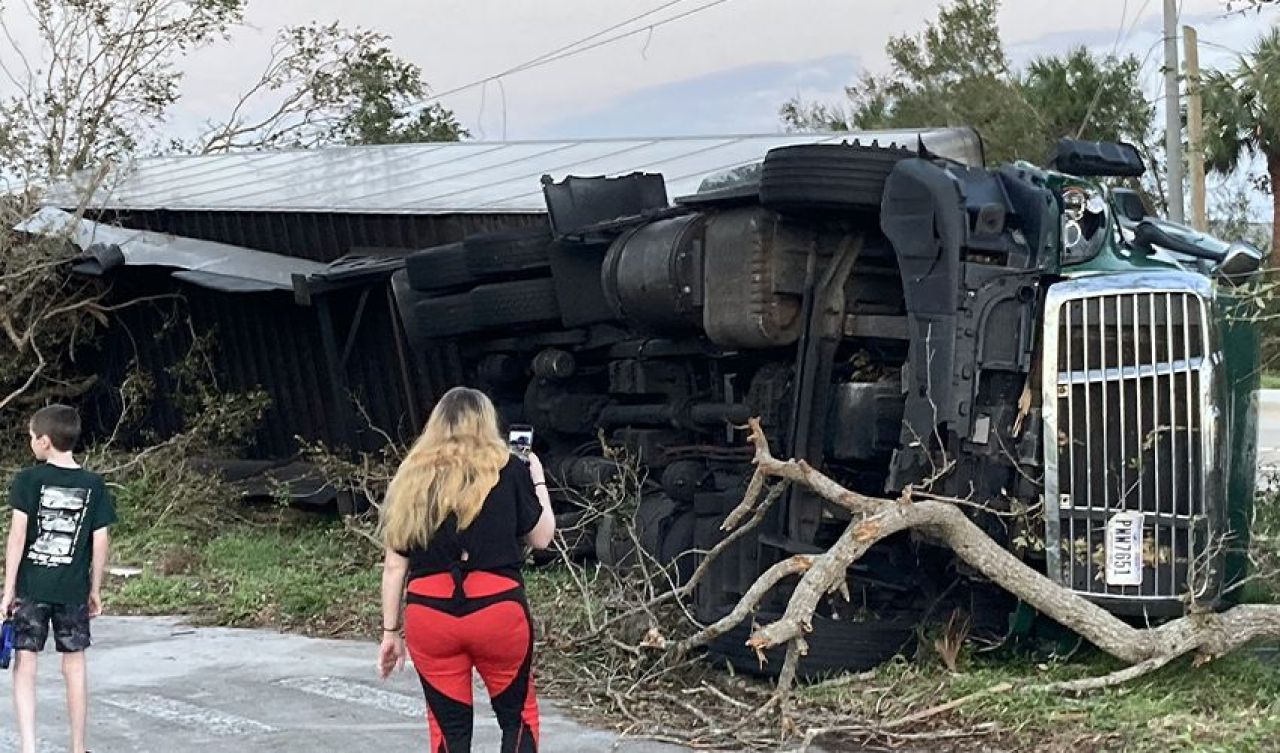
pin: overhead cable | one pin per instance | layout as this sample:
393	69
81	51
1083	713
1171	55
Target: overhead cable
576	48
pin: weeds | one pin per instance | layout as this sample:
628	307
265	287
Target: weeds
205	556
304	576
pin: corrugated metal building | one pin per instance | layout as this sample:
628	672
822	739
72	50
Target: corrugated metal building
343	218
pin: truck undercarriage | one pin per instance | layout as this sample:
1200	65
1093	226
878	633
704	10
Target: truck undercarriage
892	316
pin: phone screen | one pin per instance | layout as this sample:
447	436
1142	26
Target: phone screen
520	437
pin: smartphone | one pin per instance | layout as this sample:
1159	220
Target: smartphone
520	437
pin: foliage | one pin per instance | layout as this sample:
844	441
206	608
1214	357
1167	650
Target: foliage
98	76
1227	706
956	73
1088	97
333	85
1242	107
201	552
1242	116
163	496
1232	217
47	320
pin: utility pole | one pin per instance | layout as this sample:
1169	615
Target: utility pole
1195	129
1172	112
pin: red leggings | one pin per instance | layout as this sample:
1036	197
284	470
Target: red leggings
454	623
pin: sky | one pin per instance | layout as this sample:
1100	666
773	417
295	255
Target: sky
726	67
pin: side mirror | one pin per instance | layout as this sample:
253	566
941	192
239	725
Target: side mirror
1149	233
1240	263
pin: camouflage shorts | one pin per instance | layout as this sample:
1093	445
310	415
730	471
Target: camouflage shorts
31	621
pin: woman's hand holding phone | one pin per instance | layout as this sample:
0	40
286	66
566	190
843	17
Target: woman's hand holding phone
545	529
535	469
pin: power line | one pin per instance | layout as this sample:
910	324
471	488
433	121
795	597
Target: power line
1121	36
1225	48
1124	13
551	58
576	48
497	78
597	35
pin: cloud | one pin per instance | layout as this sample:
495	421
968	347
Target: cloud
745	99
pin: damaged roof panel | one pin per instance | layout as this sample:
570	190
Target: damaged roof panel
219	266
469	177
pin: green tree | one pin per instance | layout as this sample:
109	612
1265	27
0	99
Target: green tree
956	73
1242	117
97	80
1089	97
97	77
326	84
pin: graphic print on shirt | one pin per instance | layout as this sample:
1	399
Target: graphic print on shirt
61	515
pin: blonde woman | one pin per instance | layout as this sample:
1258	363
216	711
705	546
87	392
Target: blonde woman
455	519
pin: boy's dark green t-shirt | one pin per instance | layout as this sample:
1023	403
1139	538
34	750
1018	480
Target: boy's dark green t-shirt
64	506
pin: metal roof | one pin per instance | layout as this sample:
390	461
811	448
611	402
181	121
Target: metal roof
219	266
446	178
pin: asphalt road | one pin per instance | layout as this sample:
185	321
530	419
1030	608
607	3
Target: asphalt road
159	686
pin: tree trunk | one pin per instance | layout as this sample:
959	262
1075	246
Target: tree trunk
1273	172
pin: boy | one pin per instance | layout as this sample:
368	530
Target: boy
54	564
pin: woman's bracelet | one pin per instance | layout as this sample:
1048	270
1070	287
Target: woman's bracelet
395	629
539	483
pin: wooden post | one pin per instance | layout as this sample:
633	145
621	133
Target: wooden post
1195	131
1172	113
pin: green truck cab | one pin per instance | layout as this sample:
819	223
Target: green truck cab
1149	383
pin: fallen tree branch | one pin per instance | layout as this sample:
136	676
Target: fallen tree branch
1208	634
942	708
686	590
746	605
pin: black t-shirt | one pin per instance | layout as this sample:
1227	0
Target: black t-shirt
493	540
64	506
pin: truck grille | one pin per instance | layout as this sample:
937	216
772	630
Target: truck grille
1129	427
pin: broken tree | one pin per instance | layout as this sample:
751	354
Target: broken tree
1201	631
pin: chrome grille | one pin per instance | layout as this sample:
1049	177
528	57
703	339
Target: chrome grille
1129	427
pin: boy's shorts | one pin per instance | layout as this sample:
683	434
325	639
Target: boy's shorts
31	626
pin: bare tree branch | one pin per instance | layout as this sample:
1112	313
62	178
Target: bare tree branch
1207	634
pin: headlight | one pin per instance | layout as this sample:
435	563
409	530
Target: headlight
1084	220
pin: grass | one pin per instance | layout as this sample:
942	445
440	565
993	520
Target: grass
1229	705
1271	381
301	576
219	564
216	563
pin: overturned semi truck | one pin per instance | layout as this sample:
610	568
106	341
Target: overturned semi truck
1028	338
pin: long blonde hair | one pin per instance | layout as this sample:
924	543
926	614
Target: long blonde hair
451	468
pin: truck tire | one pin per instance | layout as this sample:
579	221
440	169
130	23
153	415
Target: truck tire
677	547
827	177
439	268
614	548
835	646
653	519
434	317
579	540
490	254
503	304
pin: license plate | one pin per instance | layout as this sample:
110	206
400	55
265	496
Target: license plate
1124	549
